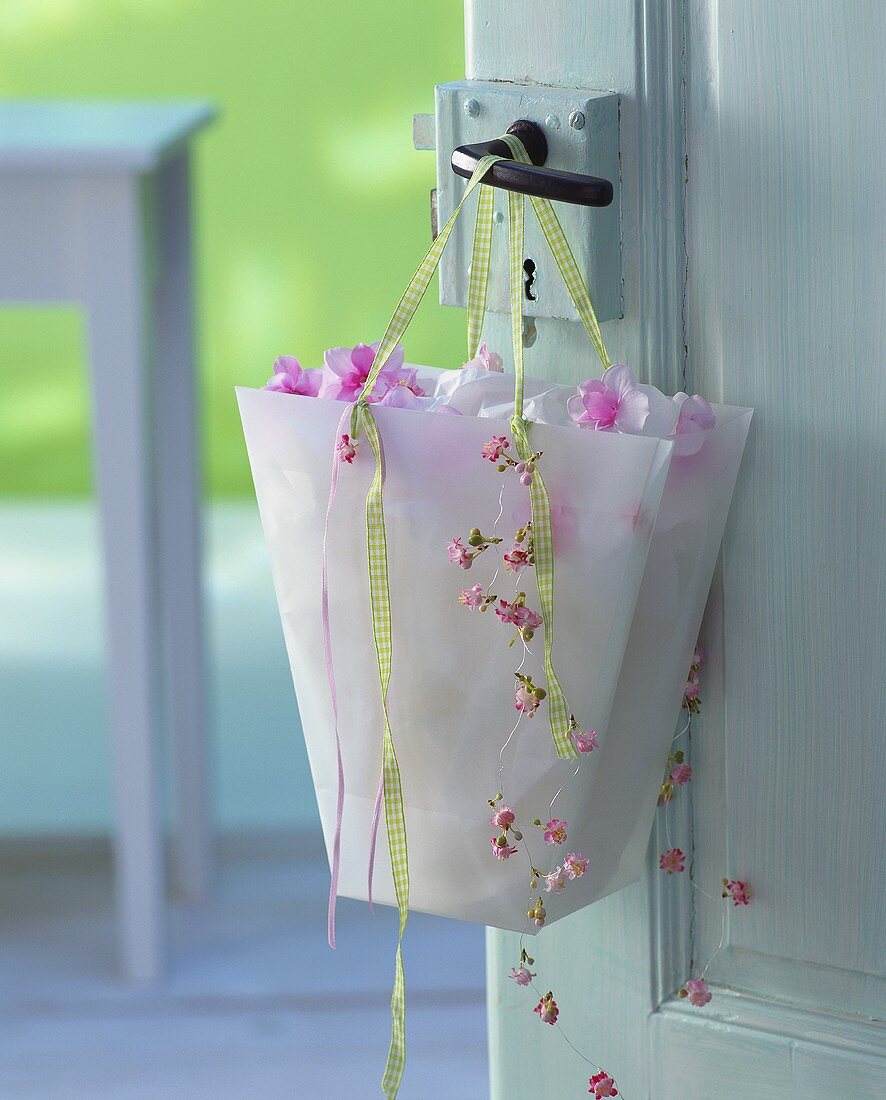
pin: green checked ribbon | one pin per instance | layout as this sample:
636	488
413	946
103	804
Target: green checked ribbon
380	606
395	824
542	536
376	538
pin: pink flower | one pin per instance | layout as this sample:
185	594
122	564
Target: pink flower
692	690
681	774
575	865
523	976
346	450
555	831
614	402
503	817
345	371
459	554
516	560
602	1085
673	862
501	851
403	395
472	598
695	418
525	699
556	881
697	991
291	377
737	890
584	742
519	616
496	447
547	1009
486	360
699	657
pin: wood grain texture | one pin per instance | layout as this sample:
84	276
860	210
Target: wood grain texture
758	276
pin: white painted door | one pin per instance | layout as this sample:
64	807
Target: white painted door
752	151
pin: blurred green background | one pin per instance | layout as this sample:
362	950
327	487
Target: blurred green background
311	205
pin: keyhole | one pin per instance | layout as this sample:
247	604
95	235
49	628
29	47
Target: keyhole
529	268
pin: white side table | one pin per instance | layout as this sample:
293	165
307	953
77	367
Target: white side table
94	209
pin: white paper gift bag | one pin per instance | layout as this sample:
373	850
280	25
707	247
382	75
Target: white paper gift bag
451	697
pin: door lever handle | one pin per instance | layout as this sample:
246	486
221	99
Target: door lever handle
531	179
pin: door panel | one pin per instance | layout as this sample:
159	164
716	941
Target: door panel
755	275
793	158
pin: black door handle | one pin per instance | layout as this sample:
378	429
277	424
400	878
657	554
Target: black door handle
531	179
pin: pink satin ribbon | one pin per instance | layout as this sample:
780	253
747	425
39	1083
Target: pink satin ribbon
333	694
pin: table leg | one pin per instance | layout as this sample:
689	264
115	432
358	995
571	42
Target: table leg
177	464
117	304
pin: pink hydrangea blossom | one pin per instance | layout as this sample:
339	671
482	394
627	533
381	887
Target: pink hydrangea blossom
523	976
345	371
290	377
584	742
739	891
486	360
698	992
547	1009
472	597
496	447
459	554
503	817
519	616
575	865
556	881
555	831
694	419
614	402
346	450
516	559
525	700
602	1085
681	774
673	861
501	851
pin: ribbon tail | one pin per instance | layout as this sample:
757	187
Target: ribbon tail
395	820
333	694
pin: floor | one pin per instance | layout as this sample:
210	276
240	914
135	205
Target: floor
255	1007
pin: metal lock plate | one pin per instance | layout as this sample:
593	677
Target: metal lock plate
581	128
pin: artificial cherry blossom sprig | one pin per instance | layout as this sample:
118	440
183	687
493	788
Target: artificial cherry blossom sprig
601	1084
677	774
528	696
522	553
692	691
503	818
517	614
673	860
460	555
496	450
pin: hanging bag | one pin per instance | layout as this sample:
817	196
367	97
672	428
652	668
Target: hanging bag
433	674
